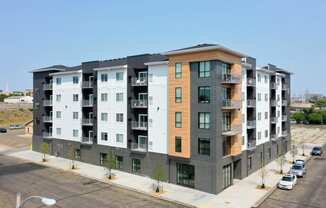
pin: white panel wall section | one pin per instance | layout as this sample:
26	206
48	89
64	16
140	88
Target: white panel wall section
111	87
63	102
244	108
262	107
157	107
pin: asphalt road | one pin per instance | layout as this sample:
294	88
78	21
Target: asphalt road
310	192
70	190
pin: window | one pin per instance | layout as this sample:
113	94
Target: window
58	114
178	120
103	158
119	138
178	94
204	146
104	136
75	132
136	165
259	135
266	115
119	161
119	97
204	94
75	79
259	116
58	98
104	77
266	133
204	120
58	131
266	97
104	116
259	96
186	175
178	70
104	97
266	78
75	97
204	69
58	80
75	115
119	76
259	77
249	163
119	117
178	144
77	154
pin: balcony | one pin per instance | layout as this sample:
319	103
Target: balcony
87	140
251	143
251	124
47	102
87	103
47	135
246	65
231	130
47	86
251	81
230	79
135	81
231	104
135	125
87	84
285	87
137	147
47	119
284	133
87	121
284	117
274	137
273	85
139	103
284	102
251	103
273	119
273	102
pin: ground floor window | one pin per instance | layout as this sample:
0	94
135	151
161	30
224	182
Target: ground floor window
77	154
103	157
227	176
186	175
136	166
119	161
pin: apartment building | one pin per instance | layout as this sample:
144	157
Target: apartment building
206	114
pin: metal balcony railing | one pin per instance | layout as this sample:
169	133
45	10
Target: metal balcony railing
285	86
231	130
139	103
273	102
87	140
135	81
88	103
284	102
284	133
230	79
251	103
138	125
47	135
284	117
251	81
231	104
139	147
251	143
274	137
47	86
47	102
273	119
87	84
87	121
273	86
47	119
251	124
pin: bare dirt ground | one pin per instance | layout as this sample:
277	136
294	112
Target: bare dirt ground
312	134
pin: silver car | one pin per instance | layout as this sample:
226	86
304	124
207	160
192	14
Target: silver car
298	170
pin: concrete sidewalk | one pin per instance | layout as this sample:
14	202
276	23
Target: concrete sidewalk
243	194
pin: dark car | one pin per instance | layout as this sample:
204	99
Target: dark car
317	151
3	130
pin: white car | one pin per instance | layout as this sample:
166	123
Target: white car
287	182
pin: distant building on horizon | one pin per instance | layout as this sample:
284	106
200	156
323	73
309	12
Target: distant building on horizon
18	99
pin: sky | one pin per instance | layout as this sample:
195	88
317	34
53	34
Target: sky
36	33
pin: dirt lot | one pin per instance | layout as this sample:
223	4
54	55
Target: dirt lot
308	134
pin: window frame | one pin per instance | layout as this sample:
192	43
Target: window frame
178	74
204	69
178	144
178	94
207	91
206	124
178	123
202	149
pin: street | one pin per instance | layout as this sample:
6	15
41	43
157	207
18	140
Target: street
310	192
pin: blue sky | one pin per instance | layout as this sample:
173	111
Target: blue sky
38	33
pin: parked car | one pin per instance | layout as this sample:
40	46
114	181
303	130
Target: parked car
298	170
317	151
3	130
300	162
287	182
16	126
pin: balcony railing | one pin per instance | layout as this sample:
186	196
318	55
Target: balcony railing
285	87
47	86
47	135
251	124
47	119
230	79
273	102
138	125
231	104
139	103
284	102
251	103
135	81
87	84
139	147
273	85
47	102
284	117
231	130
284	133
87	140
273	119
251	143
87	121
251	81
88	103
274	137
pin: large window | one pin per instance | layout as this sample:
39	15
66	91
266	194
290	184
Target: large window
58	80
186	175
104	97
119	117
204	146
119	97
204	94
119	138
204	120
75	132
178	144
178	120
178	94
75	80
178	70
104	136
136	166
119	76
204	69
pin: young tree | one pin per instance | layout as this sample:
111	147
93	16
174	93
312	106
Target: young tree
110	163
158	175
44	150
294	151
281	162
263	174
71	156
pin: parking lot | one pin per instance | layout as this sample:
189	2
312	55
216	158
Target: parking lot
310	192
